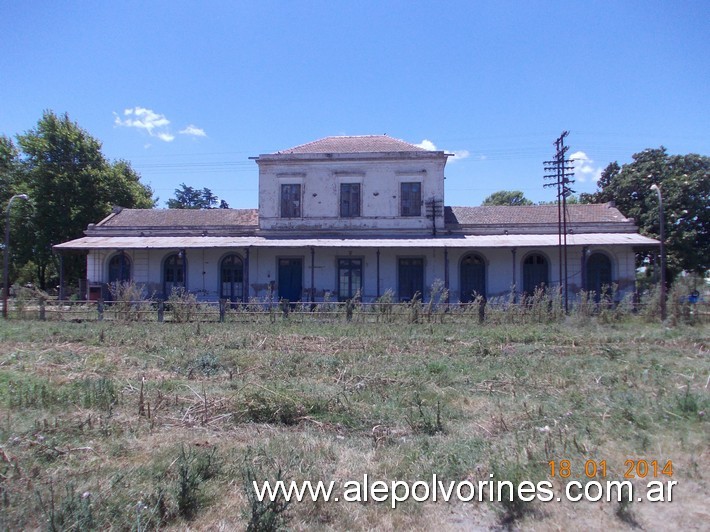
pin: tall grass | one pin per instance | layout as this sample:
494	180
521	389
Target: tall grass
164	425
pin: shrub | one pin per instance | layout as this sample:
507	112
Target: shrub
72	512
384	305
513	508
129	301
207	364
194	468
264	515
679	305
183	305
424	420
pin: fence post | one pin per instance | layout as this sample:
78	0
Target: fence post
100	308
349	305
222	309
41	310
161	310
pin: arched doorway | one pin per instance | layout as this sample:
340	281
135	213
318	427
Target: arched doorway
232	278
119	269
473	277
598	278
535	272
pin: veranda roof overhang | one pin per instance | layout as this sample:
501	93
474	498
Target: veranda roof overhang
90	243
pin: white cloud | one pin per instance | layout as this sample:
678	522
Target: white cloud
427	145
193	131
142	118
154	124
584	167
458	154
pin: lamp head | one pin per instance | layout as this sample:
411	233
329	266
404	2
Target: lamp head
23	196
654	187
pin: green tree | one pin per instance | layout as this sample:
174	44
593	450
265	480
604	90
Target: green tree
10	184
507	197
71	184
685	186
192	198
571	200
9	168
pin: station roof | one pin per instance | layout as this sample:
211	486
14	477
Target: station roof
462	241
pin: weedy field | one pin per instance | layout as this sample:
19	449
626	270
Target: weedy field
132	426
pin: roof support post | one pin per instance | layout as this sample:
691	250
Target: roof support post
583	269
446	273
513	285
378	273
183	253
121	261
61	276
245	277
313	273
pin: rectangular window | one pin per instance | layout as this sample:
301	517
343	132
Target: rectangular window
411	278
411	198
349	278
290	201
350	200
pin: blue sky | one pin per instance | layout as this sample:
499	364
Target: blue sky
187	91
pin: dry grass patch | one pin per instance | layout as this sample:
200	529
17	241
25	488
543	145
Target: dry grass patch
160	423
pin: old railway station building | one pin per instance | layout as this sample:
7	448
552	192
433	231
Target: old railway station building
356	215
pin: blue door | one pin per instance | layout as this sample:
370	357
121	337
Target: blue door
290	279
411	279
598	275
535	273
473	278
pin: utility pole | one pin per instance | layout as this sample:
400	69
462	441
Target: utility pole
434	209
561	170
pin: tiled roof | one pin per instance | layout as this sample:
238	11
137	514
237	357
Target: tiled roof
137	218
531	214
249	218
354	144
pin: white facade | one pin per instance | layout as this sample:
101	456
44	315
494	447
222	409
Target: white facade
348	216
380	177
503	269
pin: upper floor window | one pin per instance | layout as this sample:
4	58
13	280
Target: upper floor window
349	200
290	201
411	199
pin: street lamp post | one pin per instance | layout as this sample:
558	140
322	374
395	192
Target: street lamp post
663	249
6	286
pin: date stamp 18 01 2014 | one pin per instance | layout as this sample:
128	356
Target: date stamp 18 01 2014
598	468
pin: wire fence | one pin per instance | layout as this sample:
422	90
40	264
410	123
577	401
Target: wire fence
529	310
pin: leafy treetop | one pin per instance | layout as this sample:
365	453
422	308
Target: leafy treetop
192	198
507	197
684	181
70	183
